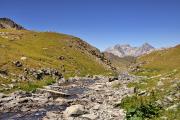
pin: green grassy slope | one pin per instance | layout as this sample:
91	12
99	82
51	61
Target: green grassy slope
157	93
163	60
43	49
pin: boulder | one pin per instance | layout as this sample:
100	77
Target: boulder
113	79
74	111
18	64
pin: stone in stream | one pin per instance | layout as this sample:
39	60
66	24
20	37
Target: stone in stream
74	111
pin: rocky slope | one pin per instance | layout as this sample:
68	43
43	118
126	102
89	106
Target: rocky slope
6	23
127	50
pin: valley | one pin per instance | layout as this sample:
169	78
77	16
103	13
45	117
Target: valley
55	76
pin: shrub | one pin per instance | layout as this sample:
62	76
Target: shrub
143	111
140	107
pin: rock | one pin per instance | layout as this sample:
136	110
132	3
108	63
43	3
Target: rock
173	107
23	100
11	86
96	106
160	83
96	87
2	95
95	77
168	98
47	71
113	79
44	48
61	58
117	104
22	77
142	93
177	95
51	116
61	100
6	99
3	71
18	64
13	80
23	58
39	74
89	76
90	116
126	77
74	110
159	102
62	81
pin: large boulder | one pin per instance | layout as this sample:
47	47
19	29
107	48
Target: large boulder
74	111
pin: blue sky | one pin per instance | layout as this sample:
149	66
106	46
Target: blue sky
102	23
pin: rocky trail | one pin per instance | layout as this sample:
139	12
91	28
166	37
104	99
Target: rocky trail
87	98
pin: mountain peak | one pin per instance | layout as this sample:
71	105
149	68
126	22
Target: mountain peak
128	50
147	45
7	23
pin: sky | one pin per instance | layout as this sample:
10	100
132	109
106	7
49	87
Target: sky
102	23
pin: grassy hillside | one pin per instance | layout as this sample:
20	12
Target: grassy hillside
67	54
157	93
162	61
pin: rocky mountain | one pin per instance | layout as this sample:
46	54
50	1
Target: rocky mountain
127	50
6	23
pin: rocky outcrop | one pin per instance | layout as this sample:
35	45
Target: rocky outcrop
6	23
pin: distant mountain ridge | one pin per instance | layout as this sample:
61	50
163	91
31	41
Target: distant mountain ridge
127	50
6	23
